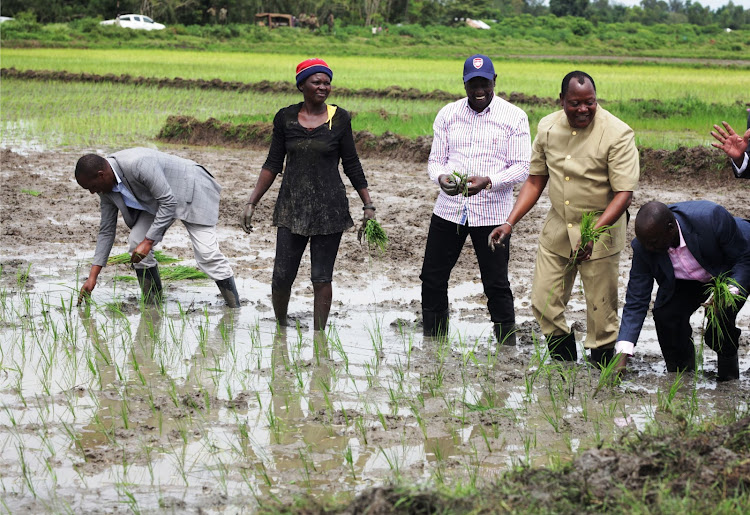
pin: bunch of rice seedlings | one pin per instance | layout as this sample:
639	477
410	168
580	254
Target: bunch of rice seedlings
374	235
463	182
589	234
180	273
723	299
124	258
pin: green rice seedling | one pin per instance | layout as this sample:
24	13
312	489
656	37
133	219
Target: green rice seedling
375	236
33	193
725	295
359	423
393	462
666	401
350	461
589	234
420	420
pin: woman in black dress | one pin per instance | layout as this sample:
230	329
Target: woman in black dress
312	204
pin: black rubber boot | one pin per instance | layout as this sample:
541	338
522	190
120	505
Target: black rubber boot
602	357
729	368
435	323
563	347
505	333
280	302
150	282
228	290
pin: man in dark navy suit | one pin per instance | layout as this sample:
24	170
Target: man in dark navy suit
735	146
683	247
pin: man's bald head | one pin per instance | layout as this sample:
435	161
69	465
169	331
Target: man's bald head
656	227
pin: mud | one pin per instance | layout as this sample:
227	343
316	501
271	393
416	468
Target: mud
203	409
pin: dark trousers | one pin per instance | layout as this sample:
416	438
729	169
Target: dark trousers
675	334
444	243
289	250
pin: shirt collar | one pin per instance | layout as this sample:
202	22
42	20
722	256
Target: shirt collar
487	109
682	240
113	165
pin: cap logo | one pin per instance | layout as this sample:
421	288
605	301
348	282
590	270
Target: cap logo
478	63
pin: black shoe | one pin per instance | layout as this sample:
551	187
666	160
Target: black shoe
563	347
602	357
150	283
505	333
228	290
435	323
729	368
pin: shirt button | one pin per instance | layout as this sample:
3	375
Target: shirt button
567	178
567	202
567	157
574	133
570	225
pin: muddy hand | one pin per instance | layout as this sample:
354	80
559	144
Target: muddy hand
142	250
85	293
361	230
476	183
246	218
498	236
448	184
582	253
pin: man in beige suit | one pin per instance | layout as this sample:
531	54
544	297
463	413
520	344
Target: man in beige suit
589	158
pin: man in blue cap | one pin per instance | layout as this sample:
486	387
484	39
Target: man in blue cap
486	139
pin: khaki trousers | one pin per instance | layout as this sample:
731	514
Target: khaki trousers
553	284
208	257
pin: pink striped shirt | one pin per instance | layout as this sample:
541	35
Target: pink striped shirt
684	263
495	143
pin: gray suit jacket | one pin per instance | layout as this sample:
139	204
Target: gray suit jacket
172	187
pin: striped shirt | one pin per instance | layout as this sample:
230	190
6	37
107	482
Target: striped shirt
494	143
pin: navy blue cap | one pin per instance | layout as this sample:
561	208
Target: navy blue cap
478	65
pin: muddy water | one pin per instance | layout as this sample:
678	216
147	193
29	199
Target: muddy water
120	407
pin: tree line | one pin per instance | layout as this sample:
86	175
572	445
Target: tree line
384	12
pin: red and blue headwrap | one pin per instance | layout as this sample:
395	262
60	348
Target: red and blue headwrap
310	67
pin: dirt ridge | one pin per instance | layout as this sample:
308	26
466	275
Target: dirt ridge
686	165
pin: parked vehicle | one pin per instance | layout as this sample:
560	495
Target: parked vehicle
134	21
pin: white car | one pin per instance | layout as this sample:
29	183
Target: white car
134	21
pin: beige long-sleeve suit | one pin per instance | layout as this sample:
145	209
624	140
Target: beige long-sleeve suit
586	167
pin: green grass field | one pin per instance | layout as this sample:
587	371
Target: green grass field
677	108
541	78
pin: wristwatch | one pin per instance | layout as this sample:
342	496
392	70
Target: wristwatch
489	184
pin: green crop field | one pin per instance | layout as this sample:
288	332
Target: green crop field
541	78
667	105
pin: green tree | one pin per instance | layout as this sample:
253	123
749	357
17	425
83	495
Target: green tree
568	7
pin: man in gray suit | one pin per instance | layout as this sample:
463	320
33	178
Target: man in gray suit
151	190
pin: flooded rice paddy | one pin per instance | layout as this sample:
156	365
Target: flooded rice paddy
197	406
194	407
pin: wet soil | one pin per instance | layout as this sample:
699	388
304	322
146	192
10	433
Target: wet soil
48	228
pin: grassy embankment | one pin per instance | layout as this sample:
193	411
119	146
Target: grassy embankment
523	35
677	104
